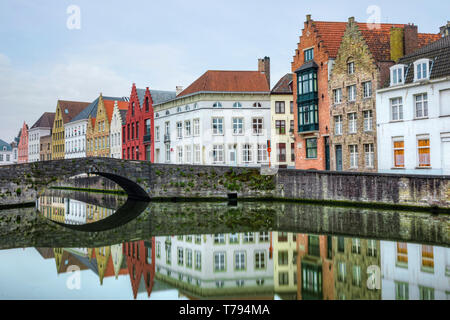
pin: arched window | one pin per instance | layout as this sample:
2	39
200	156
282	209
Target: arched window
257	105
132	108
146	104
237	105
217	105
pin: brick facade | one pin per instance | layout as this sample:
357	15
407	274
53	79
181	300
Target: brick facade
353	148
23	144
311	39
137	144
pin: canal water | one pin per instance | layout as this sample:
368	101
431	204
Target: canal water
220	251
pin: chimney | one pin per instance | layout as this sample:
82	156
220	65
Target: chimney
351	20
411	39
397	50
179	89
264	67
308	18
445	30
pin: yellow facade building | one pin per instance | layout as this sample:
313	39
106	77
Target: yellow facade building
65	111
98	128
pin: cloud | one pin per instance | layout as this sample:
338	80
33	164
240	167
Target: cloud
110	68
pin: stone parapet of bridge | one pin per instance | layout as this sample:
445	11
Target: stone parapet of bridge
145	181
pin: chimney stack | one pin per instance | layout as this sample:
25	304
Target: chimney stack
179	89
411	38
351	20
445	30
308	18
397	42
264	67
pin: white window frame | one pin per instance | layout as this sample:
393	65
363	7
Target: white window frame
353	153
197	154
262	153
187	128
157	133
180	130
396	108
351	67
351	92
196	127
337	95
419	69
219	261
218	131
180	154
338	125
352	122
238	126
259	121
218	153
247	156
368	120
397	71
188	154
367	89
240	261
421	105
369	155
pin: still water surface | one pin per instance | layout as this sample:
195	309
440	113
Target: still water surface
270	263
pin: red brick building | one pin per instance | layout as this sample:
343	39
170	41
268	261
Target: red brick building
140	258
137	132
23	144
312	65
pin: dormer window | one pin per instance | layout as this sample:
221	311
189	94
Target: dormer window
421	69
397	74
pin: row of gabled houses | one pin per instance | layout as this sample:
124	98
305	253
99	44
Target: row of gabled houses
359	97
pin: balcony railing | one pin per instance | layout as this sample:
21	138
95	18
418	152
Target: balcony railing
147	138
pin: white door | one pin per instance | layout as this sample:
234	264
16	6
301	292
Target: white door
446	155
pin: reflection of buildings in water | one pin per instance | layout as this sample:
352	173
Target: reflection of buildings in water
118	259
315	267
65	261
75	212
217	266
351	259
285	264
140	258
70	211
45	206
414	271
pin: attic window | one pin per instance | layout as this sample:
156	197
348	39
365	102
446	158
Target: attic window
397	74
351	67
157	115
195	105
237	105
421	69
257	105
217	105
179	109
167	112
187	108
66	111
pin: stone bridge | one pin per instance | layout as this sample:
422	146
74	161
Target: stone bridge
25	227
144	181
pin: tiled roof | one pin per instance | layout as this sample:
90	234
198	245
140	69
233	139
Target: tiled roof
378	40
91	109
45	121
123	115
5	144
438	52
70	109
158	96
109	107
284	86
228	81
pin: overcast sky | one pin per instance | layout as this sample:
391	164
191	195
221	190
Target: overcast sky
160	44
